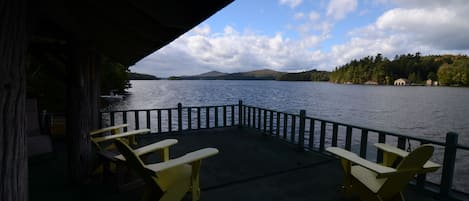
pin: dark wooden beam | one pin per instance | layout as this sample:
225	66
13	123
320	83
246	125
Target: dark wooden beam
81	109
13	151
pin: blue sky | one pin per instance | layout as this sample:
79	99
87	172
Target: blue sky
297	35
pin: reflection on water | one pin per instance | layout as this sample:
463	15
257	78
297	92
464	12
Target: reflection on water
428	112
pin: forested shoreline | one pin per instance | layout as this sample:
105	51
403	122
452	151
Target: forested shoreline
448	70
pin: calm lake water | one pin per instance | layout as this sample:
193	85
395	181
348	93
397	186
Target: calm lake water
428	112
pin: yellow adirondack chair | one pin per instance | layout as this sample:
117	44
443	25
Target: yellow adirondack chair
98	138
169	180
372	181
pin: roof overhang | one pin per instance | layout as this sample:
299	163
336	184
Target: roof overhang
126	30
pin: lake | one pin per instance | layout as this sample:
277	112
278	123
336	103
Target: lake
428	112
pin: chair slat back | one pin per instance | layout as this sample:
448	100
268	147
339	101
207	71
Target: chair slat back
135	163
414	161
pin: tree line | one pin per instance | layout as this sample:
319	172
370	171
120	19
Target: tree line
447	69
312	75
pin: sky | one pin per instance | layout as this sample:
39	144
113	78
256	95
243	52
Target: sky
299	35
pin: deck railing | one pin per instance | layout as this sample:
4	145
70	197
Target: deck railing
307	133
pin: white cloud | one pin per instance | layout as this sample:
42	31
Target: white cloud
202	30
291	3
230	51
338	9
441	27
429	29
299	16
314	16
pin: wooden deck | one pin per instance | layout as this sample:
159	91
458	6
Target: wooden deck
250	166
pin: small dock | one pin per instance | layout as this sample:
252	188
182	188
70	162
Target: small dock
250	166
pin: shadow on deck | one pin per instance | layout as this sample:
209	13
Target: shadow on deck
250	166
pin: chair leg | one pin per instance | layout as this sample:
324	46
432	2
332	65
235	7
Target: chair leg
363	192
177	191
195	185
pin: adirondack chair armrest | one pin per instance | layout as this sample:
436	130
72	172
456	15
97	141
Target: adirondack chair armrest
120	135
185	159
161	145
343	154
103	130
429	166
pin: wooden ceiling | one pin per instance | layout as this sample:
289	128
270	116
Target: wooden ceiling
124	30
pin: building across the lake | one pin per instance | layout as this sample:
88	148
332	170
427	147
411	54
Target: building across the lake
432	83
402	82
371	82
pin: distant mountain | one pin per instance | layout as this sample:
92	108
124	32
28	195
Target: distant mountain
264	74
140	76
210	74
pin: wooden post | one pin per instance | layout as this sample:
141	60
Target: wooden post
207	117
158	113
249	117
311	133
124	120
293	129
189	118
179	117
148	119
265	121
381	139
82	64
363	143
348	138
224	116
285	125
240	114
277	133
322	136
301	138
216	117
271	120
170	121
449	161
137	119
198	118
13	150
335	130
232	115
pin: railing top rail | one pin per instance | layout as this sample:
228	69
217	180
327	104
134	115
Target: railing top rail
171	108
369	129
463	147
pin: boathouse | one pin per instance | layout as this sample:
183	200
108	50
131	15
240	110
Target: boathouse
402	82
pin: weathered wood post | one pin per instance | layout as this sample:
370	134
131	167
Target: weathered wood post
13	150
301	137
79	110
240	114
179	117
449	161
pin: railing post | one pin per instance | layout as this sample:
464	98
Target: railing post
124	119
189	118
363	143
137	121
448	165
322	136
301	138
240	114
179	117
